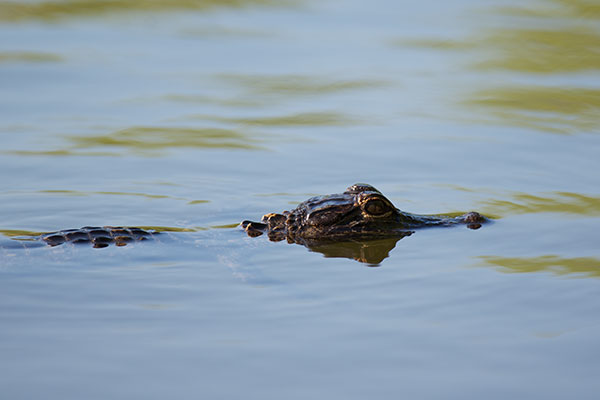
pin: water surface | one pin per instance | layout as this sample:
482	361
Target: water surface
190	116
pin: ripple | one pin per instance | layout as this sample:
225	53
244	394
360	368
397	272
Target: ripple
149	141
543	51
298	119
557	202
107	193
29	57
53	10
551	109
588	9
18	232
582	266
560	41
297	85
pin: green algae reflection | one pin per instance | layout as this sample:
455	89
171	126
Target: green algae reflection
267	90
299	119
568	47
297	85
28	57
585	9
158	138
12	11
18	233
549	109
558	202
560	38
107	193
543	50
150	141
581	266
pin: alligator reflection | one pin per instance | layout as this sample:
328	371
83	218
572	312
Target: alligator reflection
370	252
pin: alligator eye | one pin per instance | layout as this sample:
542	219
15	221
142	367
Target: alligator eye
376	207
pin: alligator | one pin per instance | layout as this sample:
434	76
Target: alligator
360	223
361	212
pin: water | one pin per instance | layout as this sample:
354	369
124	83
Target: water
195	115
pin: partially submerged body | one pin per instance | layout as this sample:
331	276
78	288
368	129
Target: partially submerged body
360	223
360	212
98	236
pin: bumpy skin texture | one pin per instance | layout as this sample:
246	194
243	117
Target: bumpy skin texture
97	236
361	212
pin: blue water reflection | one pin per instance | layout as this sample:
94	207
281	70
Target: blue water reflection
196	115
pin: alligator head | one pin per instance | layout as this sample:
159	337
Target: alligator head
359	214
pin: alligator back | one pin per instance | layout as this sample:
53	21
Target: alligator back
97	236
